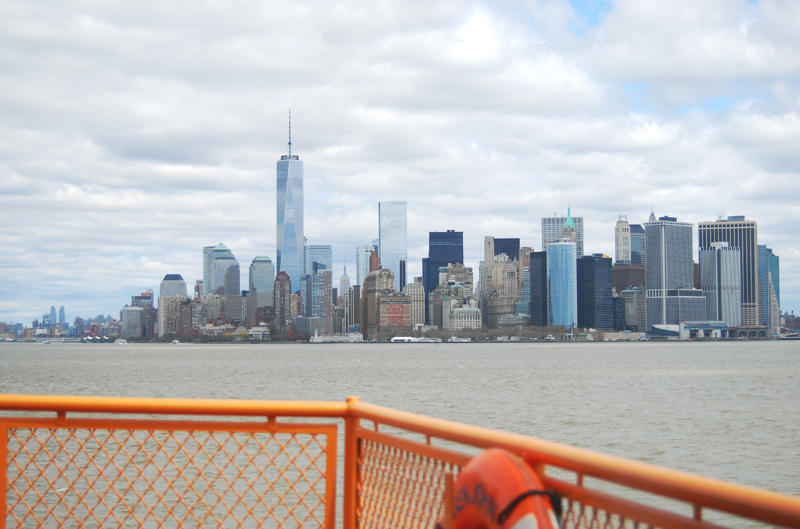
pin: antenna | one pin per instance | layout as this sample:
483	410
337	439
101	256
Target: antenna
290	133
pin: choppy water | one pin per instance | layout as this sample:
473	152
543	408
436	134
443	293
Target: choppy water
726	410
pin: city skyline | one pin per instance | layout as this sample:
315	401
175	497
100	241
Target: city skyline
483	123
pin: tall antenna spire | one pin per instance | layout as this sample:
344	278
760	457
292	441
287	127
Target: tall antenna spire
290	133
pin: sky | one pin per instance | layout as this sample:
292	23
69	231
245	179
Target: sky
132	135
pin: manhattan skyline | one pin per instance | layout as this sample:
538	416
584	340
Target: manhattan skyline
117	168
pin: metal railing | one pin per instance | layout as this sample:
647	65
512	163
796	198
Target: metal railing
99	462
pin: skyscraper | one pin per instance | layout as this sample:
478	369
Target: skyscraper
282	293
53	318
721	281
362	262
321	302
62	317
768	302
444	248
290	237
318	257
344	283
172	284
669	274
539	294
392	232
562	276
595	305
743	234
262	283
637	244
622	241
210	254
553	229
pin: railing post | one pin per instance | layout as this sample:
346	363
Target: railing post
351	477
3	474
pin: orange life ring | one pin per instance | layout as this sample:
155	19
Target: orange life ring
497	490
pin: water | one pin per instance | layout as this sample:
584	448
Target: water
725	410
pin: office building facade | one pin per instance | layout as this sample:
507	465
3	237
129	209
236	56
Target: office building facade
553	230
212	281
595	305
638	244
290	236
318	257
444	248
393	236
563	284
363	254
538	289
739	233
282	292
622	241
721	282
173	284
261	284
768	302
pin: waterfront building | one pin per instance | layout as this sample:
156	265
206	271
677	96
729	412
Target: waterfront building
635	300
444	248
261	285
377	283
553	230
363	254
53	318
290	235
318	257
497	253
393	236
669	274
638	244
295	305
595	305
625	276
618	309
465	316
562	278
394	313
169	311
308	325
721	282
768	302
739	233
173	284
282	292
416	291
538	289
321	299
132	323
622	241
145	301
524	305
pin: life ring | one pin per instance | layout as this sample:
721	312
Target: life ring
497	490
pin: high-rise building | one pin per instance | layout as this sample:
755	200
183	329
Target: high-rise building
374	261
497	252
344	283
635	301
622	241
261	285
553	229
416	291
219	271
290	236
321	302
637	244
669	274
393	236
378	283
562	278
234	309
282	292
211	281
768	303
539	293
444	248
362	262
595	305
625	276
62	317
173	284
721	282
131	323
53	317
742	234
318	257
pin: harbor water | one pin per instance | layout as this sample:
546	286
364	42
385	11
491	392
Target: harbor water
728	410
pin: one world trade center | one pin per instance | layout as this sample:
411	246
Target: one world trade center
290	239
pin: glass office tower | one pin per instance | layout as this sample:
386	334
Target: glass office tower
318	257
262	282
562	275
290	237
444	248
393	238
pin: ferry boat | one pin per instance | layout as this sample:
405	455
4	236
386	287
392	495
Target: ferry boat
70	461
120	341
411	339
456	339
790	336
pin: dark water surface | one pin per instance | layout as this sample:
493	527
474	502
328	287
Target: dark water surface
726	410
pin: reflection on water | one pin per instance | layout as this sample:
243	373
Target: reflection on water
726	410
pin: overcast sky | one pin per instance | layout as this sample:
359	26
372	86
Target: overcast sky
134	134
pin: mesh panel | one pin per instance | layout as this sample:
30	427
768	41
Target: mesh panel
576	515
139	478
399	489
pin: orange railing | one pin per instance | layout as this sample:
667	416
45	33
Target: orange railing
100	462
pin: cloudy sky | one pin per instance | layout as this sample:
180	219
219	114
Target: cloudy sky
134	134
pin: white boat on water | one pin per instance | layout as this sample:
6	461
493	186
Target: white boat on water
120	341
456	339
